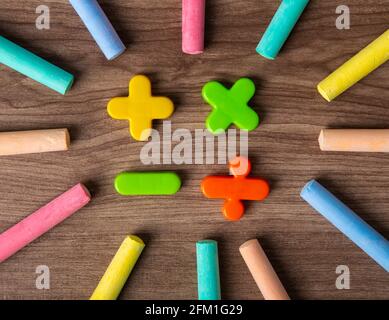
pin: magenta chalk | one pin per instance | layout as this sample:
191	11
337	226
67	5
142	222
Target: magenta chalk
193	25
42	220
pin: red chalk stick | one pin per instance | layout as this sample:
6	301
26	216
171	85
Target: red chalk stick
42	220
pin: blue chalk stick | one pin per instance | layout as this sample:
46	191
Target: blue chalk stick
280	27
348	222
100	27
208	279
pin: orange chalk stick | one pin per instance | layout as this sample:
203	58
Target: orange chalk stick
34	141
236	188
262	271
354	140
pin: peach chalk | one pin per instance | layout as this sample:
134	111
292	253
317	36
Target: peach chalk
42	220
262	271
193	25
35	141
354	140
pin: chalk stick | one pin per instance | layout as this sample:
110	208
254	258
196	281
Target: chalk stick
208	278
262	271
101	29
118	271
348	222
193	25
354	140
34	141
355	69
280	27
34	67
42	220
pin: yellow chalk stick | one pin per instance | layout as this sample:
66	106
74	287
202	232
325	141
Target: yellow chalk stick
355	69
117	273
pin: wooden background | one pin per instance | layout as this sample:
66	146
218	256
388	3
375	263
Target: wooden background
304	248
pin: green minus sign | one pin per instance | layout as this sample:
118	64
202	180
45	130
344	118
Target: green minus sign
147	183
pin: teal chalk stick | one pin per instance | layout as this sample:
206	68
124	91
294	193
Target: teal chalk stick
34	67
280	27
208	279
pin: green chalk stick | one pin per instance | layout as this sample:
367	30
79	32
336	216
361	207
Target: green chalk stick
147	183
34	67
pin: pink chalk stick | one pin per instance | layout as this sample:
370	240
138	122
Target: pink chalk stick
193	24
41	221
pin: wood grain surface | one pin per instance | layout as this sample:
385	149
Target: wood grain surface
303	247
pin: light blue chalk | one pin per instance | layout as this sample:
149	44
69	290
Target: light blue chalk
100	27
346	220
208	279
280	27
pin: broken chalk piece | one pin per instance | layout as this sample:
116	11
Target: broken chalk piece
208	278
280	27
140	108
354	140
99	27
147	183
262	271
34	67
34	141
42	220
355	69
348	222
230	106
118	271
193	23
235	189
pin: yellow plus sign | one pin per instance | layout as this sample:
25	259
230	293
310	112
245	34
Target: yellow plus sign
140	108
